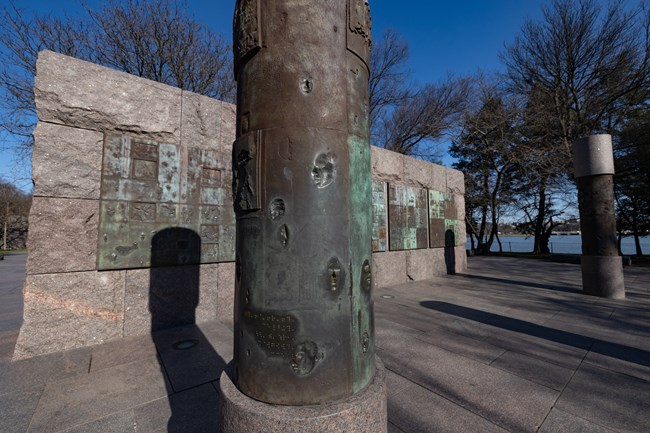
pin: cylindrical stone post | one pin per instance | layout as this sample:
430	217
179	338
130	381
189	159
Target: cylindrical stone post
602	267
304	329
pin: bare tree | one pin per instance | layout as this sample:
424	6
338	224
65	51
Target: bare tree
486	151
543	163
156	39
160	41
590	64
389	83
405	117
633	178
426	115
21	39
14	209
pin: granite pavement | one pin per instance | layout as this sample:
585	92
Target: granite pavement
510	346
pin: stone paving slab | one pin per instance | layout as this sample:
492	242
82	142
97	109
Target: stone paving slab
416	409
122	351
500	397
511	346
561	422
17	409
608	398
35	373
534	369
71	402
120	422
194	410
191	367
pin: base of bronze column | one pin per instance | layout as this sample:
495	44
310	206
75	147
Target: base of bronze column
603	276
364	412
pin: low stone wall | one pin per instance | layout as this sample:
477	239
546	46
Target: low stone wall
398	267
69	302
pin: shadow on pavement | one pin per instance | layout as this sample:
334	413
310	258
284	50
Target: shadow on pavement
521	283
613	350
187	359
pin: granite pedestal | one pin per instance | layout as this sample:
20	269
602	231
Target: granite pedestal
364	412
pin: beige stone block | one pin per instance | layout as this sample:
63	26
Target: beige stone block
70	310
228	126
209	293
438	263
76	93
387	165
66	162
226	294
137	318
455	181
459	201
418	173
439	174
461	259
389	268
201	122
419	264
62	235
165	297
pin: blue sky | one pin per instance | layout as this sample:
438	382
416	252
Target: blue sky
444	37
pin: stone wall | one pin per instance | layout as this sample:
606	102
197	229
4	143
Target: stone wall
68	302
398	267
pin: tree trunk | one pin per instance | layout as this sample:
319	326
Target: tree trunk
539	245
4	237
544	238
635	230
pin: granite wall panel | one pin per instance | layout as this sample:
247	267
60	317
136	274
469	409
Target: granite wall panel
68	303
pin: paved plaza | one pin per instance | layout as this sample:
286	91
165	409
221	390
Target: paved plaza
512	345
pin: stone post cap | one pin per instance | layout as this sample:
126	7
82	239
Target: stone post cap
593	155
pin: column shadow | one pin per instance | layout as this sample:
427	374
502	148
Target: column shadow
187	359
450	252
596	345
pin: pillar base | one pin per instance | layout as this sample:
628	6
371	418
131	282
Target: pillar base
364	412
603	276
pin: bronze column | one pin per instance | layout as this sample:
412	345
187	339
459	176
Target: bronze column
304	331
602	267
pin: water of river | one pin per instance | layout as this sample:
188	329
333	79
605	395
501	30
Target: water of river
561	244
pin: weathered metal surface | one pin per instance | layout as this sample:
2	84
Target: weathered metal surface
407	217
443	221
379	217
597	218
452	234
602	270
147	187
304	331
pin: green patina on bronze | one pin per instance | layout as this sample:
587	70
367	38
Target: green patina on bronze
302	196
147	187
407	217
361	255
379	217
443	221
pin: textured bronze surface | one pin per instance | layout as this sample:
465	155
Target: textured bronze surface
148	187
302	194
407	218
597	219
443	221
379	217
